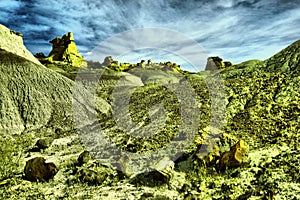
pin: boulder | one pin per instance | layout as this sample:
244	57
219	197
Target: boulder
92	177
160	174
151	179
227	64
141	64
44	143
84	157
37	170
214	63
95	173
233	158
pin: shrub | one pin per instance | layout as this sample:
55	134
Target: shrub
12	151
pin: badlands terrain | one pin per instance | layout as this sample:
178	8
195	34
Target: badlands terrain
229	132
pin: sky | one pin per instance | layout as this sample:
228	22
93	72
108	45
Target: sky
235	30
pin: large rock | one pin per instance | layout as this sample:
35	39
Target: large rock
235	157
44	143
12	42
92	177
151	179
95	173
65	50
37	170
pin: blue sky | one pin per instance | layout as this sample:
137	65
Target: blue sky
236	30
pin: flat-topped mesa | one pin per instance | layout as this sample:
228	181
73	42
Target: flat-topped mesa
65	50
214	63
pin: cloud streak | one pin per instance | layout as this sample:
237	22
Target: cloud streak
236	30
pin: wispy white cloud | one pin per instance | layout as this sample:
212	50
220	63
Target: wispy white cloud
9	5
236	30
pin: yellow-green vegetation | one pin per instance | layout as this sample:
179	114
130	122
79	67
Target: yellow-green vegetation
142	101
12	154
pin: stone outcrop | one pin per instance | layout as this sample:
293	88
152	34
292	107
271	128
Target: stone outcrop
216	62
12	42
151	179
141	64
95	173
107	61
65	50
37	170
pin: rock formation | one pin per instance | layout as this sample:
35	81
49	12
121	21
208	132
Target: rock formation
235	157
107	61
141	64
65	50
92	177
12	42
216	62
24	80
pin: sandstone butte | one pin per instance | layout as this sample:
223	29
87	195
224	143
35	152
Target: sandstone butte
64	51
